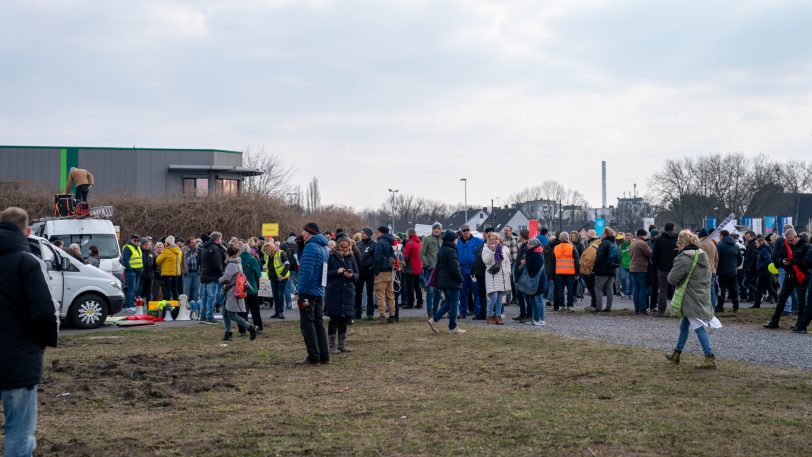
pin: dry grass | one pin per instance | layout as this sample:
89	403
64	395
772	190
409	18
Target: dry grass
406	391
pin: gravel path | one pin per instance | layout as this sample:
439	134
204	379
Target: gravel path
748	343
733	341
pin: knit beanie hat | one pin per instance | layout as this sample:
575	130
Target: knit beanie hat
702	233
383	229
367	231
449	236
311	228
437	225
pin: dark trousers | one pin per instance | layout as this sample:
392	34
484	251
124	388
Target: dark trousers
728	284
337	325
654	284
590	286
252	304
81	192
171	287
562	281
365	278
311	323
764	285
146	289
524	310
411	287
790	284
279	288
805	317
749	284
482	293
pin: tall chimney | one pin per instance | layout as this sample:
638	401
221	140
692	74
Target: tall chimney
603	184
635	190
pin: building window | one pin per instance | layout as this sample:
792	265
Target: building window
227	186
196	187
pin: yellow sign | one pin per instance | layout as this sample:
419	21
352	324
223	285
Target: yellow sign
271	230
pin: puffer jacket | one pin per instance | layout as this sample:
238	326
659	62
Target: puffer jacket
466	252
229	279
499	282
665	250
384	250
312	267
697	300
170	261
339	299
411	251
449	273
765	258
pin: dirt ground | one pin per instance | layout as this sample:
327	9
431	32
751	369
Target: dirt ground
406	391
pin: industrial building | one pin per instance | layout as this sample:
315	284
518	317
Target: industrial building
154	171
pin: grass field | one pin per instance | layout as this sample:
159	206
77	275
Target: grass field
406	391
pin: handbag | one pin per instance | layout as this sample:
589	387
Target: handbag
529	285
679	292
432	282
495	268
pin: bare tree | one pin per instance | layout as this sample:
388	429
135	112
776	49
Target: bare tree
313	196
273	182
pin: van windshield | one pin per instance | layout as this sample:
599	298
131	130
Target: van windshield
107	243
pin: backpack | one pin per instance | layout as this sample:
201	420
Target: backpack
241	285
614	255
587	262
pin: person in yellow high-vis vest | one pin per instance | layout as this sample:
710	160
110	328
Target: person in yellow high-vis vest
566	271
133	262
278	268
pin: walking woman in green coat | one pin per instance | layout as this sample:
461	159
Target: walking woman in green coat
691	277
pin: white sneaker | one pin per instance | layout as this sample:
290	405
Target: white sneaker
531	322
431	324
130	310
456	331
538	323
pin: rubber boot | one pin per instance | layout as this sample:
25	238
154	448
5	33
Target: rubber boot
674	357
229	336
332	342
708	364
252	330
342	340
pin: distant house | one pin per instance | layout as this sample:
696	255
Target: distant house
500	217
458	219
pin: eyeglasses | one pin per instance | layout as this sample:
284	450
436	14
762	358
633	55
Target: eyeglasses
465	230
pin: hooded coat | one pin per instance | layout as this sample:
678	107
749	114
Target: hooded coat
339	299
449	272
697	300
229	279
499	282
170	261
383	252
411	252
730	257
28	320
211	262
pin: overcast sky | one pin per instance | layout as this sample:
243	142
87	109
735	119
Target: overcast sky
413	94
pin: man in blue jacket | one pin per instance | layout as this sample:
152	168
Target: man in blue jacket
467	248
310	295
383	267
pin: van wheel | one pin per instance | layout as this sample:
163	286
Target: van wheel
88	311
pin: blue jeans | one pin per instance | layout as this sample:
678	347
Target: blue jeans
229	316
468	286
450	305
684	325
560	282
279	290
550	292
20	410
713	289
191	286
133	280
640	291
537	302
625	289
208	296
495	303
432	293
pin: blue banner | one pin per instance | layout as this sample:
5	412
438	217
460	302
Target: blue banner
769	224
710	223
748	221
600	223
782	221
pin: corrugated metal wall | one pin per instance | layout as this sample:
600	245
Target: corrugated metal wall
139	171
37	166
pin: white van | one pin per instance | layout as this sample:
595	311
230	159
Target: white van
86	294
85	232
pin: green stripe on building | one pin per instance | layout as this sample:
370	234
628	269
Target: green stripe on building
68	158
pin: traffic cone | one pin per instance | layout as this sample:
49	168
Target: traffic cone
139	306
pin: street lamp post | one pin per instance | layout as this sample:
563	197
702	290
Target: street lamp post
465	181
393	191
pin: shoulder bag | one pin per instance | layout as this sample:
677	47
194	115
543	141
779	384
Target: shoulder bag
679	292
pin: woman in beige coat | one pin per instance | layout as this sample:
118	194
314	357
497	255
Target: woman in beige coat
497	283
691	270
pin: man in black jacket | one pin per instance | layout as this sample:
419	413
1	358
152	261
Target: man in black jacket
28	324
479	274
211	269
796	275
730	257
662	256
366	279
749	266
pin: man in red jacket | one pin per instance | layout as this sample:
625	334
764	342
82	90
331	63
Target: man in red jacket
412	270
